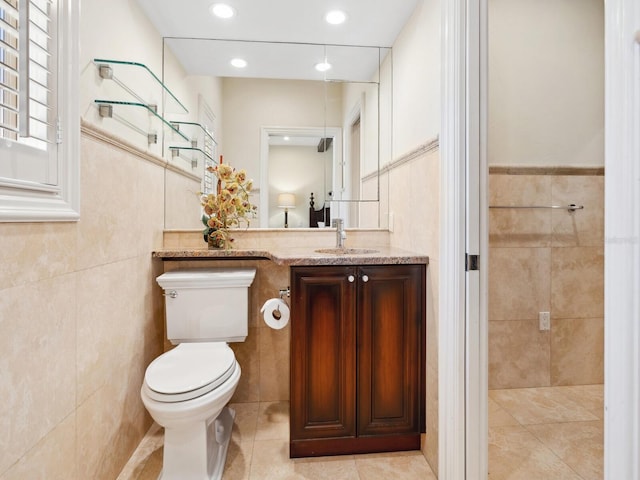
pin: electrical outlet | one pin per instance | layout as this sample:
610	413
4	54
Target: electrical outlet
545	320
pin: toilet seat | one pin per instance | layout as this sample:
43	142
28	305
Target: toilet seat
189	371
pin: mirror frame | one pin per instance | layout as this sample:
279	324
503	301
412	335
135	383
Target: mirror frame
265	132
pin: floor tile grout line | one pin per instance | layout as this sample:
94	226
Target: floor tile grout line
562	391
556	389
553	451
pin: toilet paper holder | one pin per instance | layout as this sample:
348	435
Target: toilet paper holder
285	292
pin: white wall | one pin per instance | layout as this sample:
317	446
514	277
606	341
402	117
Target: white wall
299	170
119	32
250	104
416	80
362	98
546	82
122	32
188	89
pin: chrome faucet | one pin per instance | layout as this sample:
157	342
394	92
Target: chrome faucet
341	234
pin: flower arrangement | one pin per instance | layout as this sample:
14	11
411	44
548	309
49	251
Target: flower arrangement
227	207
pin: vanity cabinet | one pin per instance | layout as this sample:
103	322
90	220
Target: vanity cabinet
357	359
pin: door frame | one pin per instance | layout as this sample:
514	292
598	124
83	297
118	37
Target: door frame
462	357
622	240
452	324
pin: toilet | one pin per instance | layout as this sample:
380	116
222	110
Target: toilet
186	390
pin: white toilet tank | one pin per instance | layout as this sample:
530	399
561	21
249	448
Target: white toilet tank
207	304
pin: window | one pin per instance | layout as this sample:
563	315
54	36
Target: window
208	121
39	119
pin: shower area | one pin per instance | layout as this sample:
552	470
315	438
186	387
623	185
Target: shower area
546	238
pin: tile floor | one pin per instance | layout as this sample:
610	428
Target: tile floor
551	433
259	449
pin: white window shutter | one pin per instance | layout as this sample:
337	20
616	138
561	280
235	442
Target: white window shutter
39	167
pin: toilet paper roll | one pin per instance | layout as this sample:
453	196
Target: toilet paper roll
275	313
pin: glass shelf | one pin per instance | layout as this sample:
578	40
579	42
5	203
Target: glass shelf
196	126
175	151
108	113
134	73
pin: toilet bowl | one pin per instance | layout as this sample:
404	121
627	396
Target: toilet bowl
186	390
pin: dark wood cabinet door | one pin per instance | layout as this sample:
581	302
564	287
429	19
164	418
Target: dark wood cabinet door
323	353
390	349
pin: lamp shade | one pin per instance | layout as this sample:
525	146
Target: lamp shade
286	200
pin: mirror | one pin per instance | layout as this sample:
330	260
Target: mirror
280	94
298	164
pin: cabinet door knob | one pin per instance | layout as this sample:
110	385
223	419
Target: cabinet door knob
351	278
365	278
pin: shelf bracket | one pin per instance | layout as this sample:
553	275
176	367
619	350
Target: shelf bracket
105	72
105	111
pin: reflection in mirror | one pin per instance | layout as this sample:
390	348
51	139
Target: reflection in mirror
280	87
300	162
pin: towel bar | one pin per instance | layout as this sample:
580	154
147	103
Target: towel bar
572	207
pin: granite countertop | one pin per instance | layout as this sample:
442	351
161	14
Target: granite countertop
300	255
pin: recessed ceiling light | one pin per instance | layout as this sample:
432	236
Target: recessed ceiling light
286	139
323	67
239	62
222	10
335	17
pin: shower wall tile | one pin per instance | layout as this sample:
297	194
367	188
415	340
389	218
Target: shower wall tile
518	354
577	282
560	271
584	228
518	282
577	351
519	227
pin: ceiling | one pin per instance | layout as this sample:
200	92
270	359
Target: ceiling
373	23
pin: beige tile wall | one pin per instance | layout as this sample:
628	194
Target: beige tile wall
414	200
546	260
79	321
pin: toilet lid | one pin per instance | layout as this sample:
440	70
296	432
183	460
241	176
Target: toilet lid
189	371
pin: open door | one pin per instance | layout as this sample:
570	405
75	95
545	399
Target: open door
463	300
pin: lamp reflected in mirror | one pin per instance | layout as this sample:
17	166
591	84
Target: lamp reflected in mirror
286	201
